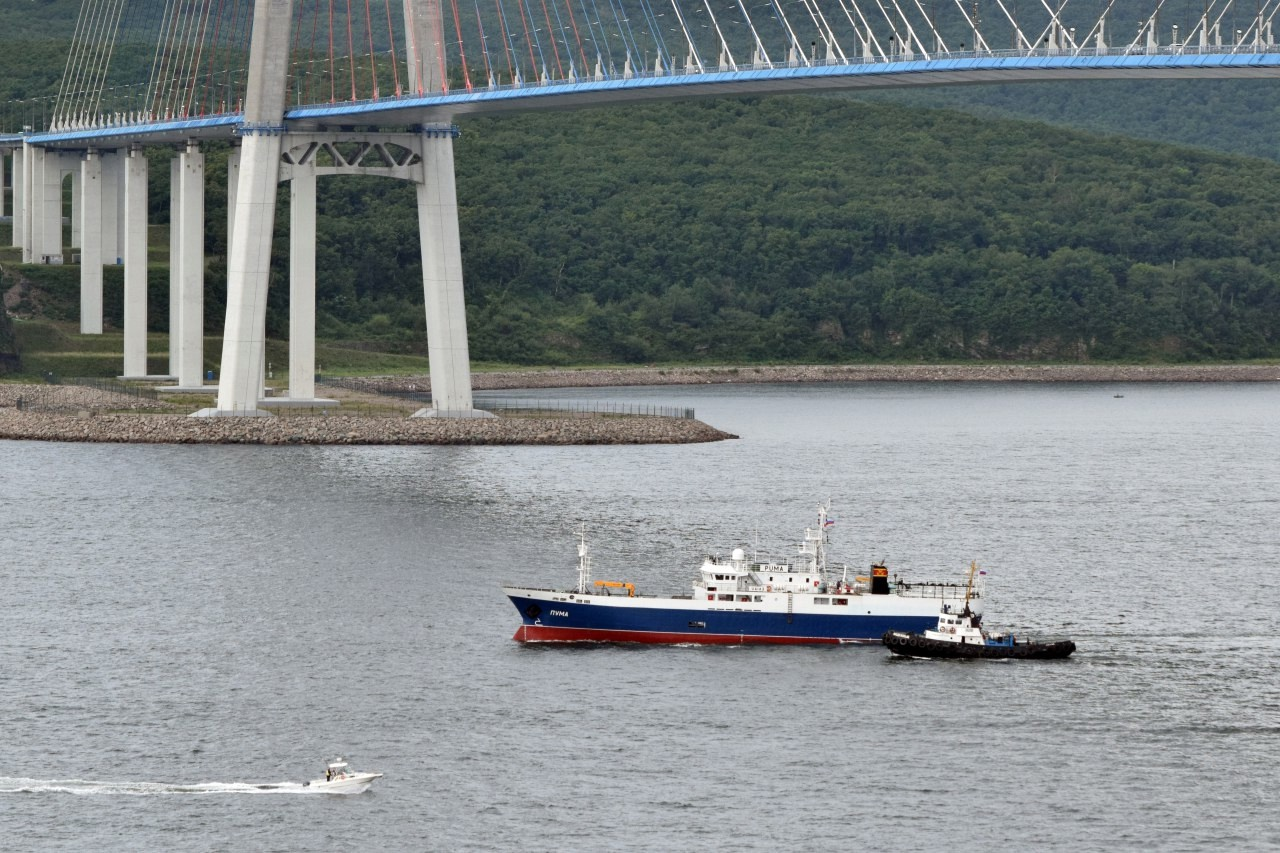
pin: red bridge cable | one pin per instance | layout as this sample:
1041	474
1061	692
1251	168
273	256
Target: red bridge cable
333	71
351	51
555	48
577	37
437	32
373	59
235	41
462	51
311	61
391	39
484	43
193	101
506	44
206	103
525	17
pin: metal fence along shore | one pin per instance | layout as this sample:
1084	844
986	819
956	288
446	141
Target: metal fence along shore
99	394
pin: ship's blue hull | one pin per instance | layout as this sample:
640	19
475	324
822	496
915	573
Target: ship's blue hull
570	621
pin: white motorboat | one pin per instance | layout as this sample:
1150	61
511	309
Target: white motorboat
339	778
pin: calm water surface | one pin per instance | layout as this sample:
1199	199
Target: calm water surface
181	621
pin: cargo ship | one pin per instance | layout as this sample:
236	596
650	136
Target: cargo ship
740	600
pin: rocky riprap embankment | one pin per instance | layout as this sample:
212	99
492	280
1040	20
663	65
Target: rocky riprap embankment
590	378
88	426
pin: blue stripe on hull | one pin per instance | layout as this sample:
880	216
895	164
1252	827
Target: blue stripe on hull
718	626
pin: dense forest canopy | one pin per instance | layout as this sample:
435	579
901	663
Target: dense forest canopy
812	229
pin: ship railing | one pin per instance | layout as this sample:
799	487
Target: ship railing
935	589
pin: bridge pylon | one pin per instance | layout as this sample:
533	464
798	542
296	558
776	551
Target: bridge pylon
270	153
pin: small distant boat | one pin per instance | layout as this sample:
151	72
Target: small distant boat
960	635
339	778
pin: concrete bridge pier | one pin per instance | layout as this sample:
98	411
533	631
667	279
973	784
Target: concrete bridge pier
135	265
302	283
90	231
186	268
447	348
16	194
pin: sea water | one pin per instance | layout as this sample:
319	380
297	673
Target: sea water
189	632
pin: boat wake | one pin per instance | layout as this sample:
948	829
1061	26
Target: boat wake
86	787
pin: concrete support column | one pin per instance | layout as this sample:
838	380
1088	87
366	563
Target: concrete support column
302	283
249	261
27	186
135	264
111	217
442	280
248	270
18	193
90	215
233	185
175	261
190	310
74	213
46	207
4	206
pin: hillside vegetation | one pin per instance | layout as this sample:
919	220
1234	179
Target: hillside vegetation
791	229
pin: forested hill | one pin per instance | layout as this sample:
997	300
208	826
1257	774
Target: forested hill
804	228
1234	116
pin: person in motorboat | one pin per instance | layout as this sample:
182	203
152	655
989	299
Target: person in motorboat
339	777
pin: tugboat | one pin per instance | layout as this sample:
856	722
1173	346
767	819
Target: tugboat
738	600
960	635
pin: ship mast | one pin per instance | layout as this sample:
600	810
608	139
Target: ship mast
815	543
584	561
973	570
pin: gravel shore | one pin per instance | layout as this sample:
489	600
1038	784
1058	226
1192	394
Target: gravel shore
339	429
96	416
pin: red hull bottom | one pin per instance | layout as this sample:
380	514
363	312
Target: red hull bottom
547	634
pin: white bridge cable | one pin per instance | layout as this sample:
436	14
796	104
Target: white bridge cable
1021	42
912	38
104	42
761	56
796	48
65	105
939	45
1142	30
161	61
692	57
1096	30
979	41
869	40
1055	31
192	88
60	103
825	32
724	58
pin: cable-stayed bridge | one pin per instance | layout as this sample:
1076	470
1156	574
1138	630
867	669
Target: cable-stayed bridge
309	88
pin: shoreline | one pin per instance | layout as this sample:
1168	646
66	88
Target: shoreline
90	416
633	376
101	428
